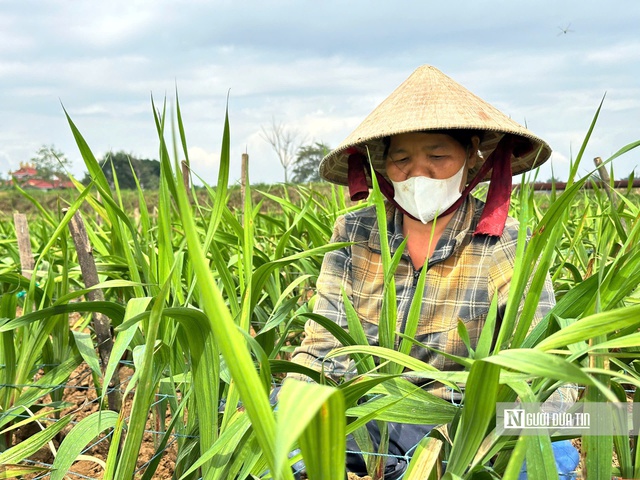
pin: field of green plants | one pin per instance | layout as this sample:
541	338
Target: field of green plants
196	306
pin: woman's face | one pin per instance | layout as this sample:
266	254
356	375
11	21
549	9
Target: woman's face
433	155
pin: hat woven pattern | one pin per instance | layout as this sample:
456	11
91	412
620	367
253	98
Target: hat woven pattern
430	101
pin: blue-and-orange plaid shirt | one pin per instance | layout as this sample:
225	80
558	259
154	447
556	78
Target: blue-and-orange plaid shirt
463	274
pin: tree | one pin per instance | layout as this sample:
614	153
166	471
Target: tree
147	171
50	163
285	142
305	168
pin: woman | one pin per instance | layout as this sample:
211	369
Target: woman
428	144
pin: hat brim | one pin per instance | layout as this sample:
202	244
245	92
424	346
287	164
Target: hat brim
334	166
431	101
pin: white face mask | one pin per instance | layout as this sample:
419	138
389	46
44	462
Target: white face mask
425	197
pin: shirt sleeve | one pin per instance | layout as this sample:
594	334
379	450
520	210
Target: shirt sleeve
335	275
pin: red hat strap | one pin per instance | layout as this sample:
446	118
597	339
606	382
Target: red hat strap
356	177
496	209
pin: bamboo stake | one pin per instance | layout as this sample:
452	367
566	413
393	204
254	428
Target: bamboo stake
185	174
604	176
24	244
243	175
101	323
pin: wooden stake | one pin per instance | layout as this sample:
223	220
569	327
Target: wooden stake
24	244
604	176
101	323
244	173
185	174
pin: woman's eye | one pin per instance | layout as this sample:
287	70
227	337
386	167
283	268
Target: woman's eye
400	160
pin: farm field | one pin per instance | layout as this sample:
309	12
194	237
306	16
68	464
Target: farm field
142	335
54	200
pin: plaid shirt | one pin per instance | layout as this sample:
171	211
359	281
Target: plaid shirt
463	274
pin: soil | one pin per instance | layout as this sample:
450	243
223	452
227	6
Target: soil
79	391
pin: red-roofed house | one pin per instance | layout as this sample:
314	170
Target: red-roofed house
27	177
26	171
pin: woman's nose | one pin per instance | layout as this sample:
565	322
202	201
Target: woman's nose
421	167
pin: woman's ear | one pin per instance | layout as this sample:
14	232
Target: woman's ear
473	152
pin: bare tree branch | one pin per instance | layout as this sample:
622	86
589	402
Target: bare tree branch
285	142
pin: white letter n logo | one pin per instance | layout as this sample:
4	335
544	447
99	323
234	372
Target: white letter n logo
514	418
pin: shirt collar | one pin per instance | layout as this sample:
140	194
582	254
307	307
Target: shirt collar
455	233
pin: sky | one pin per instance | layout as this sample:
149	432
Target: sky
316	68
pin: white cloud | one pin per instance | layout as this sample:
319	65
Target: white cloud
5	165
622	53
105	29
322	68
204	164
559	159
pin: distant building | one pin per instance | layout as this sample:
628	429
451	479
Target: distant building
27	177
26	172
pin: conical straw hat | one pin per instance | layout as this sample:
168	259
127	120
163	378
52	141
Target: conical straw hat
430	100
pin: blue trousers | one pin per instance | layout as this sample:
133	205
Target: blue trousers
567	459
404	437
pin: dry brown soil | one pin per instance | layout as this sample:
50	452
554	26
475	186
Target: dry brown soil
82	395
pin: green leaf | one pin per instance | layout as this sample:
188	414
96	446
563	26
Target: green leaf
478	411
262	273
413	317
535	362
424	459
8	471
35	442
44	385
144	391
152	466
230	341
123	338
399	400
314	414
78	438
597	448
483	348
592	326
464	336
540	460
386	353
516	459
226	445
364	363
87	351
112	310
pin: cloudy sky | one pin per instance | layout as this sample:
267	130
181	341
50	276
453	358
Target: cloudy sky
315	67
